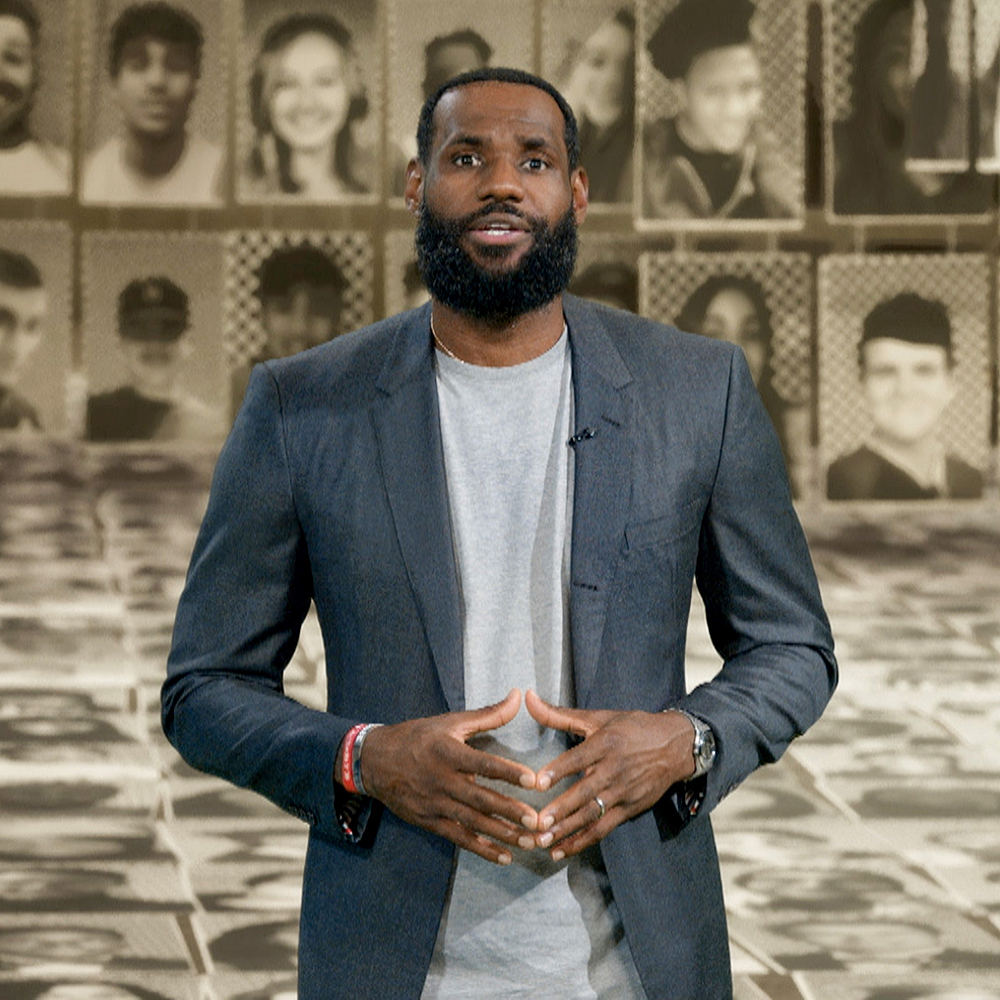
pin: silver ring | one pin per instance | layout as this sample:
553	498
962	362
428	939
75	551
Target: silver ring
601	806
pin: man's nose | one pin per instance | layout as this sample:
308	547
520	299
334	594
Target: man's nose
501	181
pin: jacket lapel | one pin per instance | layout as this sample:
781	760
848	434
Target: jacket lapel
602	483
409	441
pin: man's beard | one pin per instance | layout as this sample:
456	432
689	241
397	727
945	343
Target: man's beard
457	281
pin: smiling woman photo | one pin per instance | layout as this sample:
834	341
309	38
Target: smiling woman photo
306	97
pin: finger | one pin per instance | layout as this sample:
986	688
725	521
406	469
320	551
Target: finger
468	760
470	841
569	720
589	834
490	803
481	720
573	761
489	826
568	811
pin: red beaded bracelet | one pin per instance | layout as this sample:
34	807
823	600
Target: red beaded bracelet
347	760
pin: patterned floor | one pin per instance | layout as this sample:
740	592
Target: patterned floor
864	866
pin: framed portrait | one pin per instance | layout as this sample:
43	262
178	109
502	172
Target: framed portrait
36	113
309	102
905	392
875	92
763	302
152	349
35	303
433	40
287	291
721	114
154	85
404	285
607	270
588	52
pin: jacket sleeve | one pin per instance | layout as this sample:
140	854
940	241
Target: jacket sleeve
247	592
762	601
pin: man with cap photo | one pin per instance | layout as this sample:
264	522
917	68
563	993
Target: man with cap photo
153	341
905	360
28	164
155	64
713	159
23	308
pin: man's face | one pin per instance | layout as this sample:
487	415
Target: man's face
893	75
305	316
448	61
498	207
732	316
152	365
722	97
155	85
22	324
17	70
907	388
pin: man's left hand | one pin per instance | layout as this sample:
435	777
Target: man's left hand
627	760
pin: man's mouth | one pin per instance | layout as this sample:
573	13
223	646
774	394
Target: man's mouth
498	229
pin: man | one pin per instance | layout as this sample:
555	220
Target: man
28	165
155	64
905	360
23	308
713	160
153	339
301	292
505	489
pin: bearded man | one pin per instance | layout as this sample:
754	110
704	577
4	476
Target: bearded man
507	489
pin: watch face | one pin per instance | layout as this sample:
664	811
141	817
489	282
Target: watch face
705	748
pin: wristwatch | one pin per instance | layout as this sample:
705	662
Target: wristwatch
704	745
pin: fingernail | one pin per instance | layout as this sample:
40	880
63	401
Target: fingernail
527	780
558	855
545	839
544	781
526	843
529	821
504	859
546	822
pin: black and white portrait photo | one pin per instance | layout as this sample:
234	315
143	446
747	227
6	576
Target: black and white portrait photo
152	338
607	271
433	40
404	284
588	51
955	116
904	377
763	303
35	304
35	104
873	103
310	94
155	130
721	109
289	292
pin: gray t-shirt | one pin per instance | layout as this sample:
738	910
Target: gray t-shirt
536	927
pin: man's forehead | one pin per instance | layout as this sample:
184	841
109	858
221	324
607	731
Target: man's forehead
23	299
487	106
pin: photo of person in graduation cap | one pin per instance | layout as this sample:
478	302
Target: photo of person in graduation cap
905	364
713	159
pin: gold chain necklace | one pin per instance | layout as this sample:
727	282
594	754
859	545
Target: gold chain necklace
444	347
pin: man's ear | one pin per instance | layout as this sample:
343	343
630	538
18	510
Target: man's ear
580	186
413	192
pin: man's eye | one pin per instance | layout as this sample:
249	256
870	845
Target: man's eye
536	163
465	160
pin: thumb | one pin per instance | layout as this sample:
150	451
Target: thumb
481	720
568	720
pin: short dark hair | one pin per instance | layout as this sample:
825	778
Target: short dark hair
154	20
288	267
496	74
911	318
18	271
24	11
463	36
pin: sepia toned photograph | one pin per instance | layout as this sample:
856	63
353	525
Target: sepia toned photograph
155	98
763	303
35	308
152	347
431	41
36	92
588	52
877	91
291	291
607	271
954	122
309	100
904	389
721	113
404	284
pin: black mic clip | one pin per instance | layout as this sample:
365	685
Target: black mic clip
585	435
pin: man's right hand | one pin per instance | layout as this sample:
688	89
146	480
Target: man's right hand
425	772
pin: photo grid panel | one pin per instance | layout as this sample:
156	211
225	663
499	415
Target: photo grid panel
763	302
872	55
946	299
309	100
759	182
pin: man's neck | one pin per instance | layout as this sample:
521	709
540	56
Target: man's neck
478	342
154	156
923	460
16	134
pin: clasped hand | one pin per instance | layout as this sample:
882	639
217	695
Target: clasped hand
426	773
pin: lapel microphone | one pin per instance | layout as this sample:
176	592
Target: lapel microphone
585	435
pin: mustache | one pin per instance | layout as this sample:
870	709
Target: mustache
496	208
10	91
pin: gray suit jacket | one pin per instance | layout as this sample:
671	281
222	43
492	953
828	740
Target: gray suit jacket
331	487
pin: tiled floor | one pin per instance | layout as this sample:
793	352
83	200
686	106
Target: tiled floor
864	866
